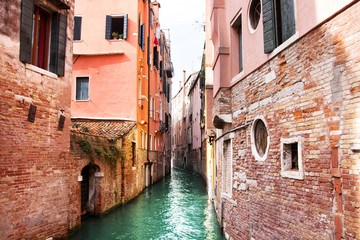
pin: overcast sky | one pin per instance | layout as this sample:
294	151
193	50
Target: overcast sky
185	19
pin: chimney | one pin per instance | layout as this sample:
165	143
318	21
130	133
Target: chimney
155	7
184	76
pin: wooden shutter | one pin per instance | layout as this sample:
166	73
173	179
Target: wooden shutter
269	25
168	92
77	27
287	19
125	26
140	30
58	44
148	51
143	37
164	82
26	25
161	68
108	27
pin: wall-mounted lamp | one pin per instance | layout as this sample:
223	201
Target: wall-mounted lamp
32	113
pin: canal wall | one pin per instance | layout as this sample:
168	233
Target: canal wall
34	155
105	171
288	162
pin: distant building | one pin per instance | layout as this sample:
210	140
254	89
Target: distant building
285	87
121	85
189	148
35	75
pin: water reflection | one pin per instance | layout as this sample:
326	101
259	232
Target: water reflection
175	208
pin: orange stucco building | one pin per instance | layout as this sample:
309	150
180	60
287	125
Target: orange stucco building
118	77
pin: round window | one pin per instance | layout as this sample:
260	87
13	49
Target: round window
254	13
260	139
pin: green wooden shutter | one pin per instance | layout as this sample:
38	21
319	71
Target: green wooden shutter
287	19
108	27
140	30
26	25
125	26
269	25
77	27
148	51
164	82
58	44
143	37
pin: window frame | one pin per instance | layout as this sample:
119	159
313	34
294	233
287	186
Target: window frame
272	14
288	172
109	29
76	79
54	46
253	139
237	31
227	166
80	27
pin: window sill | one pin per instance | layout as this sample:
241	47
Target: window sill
284	45
237	77
82	100
116	40
40	71
293	174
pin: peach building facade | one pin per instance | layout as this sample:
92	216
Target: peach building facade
118	80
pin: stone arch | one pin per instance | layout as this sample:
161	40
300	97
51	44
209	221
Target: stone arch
90	190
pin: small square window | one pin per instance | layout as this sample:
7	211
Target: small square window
82	88
291	158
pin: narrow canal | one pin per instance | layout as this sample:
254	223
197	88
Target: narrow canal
175	208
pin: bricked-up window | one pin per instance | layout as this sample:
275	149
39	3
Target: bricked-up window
291	158
82	88
77	28
227	168
116	26
238	46
133	150
43	37
259	139
279	22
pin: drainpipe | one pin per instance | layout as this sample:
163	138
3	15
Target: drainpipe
148	126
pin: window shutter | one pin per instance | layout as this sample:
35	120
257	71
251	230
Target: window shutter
143	37
140	30
269	26
77	27
108	27
26	25
161	68
125	26
287	19
168	92
148	51
58	44
164	82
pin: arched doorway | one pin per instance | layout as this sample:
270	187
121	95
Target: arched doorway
90	188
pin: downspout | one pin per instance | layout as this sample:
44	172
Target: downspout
148	112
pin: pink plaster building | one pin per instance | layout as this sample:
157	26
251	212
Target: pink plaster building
285	87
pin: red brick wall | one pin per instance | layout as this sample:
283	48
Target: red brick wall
315	95
34	157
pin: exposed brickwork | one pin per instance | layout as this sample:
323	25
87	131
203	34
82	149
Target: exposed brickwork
315	95
121	180
34	156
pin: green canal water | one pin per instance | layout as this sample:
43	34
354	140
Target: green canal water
175	208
